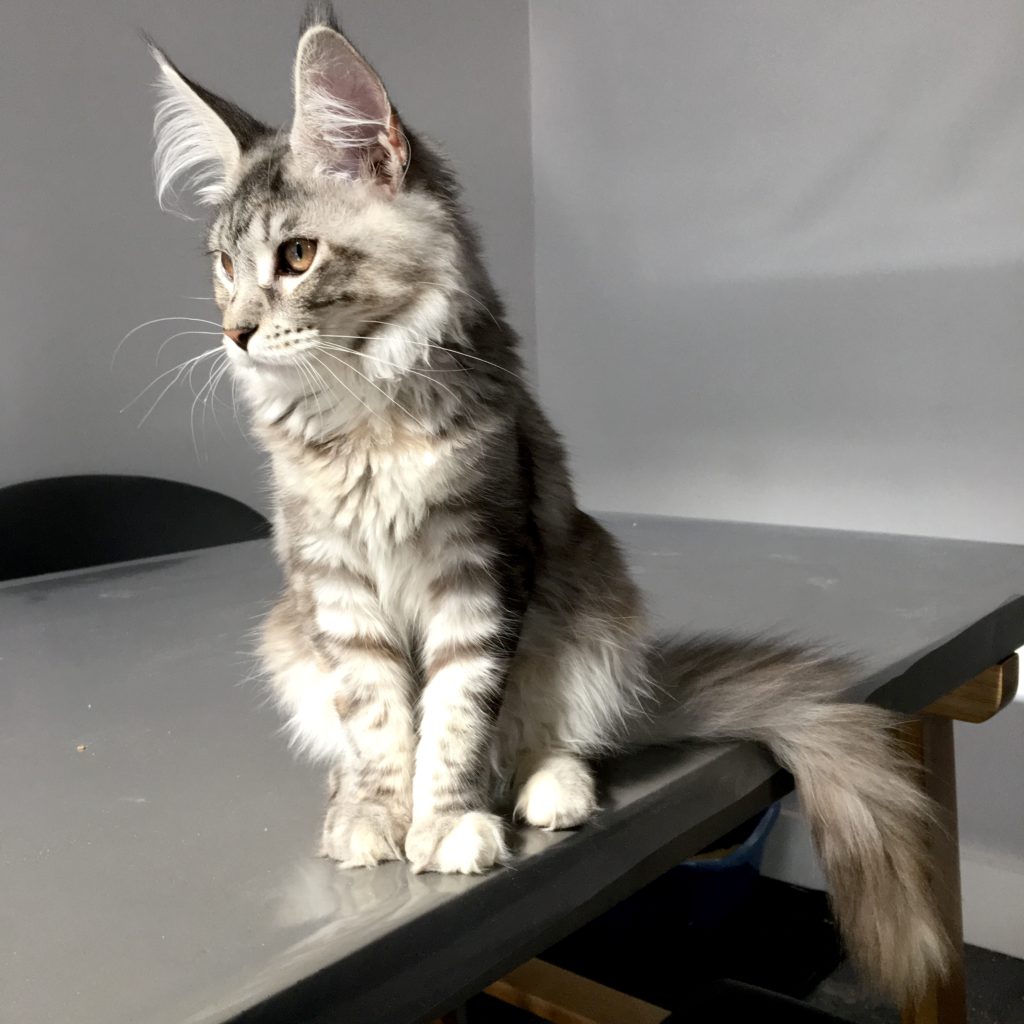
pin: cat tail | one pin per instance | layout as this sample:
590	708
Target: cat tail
868	818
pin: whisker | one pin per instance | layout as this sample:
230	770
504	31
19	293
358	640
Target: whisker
216	398
476	358
180	368
192	411
181	334
213	398
223	402
190	365
234	404
303	366
192	414
159	320
423	340
308	384
191	371
322	389
391	399
386	362
370	355
202	414
372	412
471	295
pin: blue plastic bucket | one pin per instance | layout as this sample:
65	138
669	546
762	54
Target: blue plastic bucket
716	886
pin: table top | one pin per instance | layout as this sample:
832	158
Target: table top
157	837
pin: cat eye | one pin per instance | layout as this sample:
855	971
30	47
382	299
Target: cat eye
227	266
296	255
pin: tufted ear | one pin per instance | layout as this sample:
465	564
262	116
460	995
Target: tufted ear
344	124
200	138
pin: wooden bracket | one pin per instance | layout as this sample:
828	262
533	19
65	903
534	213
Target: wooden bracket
561	997
981	697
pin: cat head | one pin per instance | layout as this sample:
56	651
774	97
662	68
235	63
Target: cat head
340	260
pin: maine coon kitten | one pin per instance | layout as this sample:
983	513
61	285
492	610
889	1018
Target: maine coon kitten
453	626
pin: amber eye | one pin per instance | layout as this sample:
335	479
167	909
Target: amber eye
296	255
227	266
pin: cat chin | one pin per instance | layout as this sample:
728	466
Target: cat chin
267	385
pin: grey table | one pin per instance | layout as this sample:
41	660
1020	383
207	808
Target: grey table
157	837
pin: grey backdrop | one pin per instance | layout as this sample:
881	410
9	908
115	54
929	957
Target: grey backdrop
779	258
88	255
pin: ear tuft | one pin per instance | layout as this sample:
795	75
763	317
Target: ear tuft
200	138
319	12
344	124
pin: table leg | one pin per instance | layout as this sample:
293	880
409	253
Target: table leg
930	738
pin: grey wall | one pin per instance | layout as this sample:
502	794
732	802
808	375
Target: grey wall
88	255
779	258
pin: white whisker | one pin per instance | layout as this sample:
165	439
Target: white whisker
303	367
181	334
213	398
192	411
423	340
390	398
180	368
386	362
320	362
159	320
234	404
471	295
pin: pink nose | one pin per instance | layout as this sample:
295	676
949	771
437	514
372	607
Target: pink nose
240	336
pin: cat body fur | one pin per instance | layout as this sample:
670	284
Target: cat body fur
454	630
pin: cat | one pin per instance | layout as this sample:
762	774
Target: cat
454	629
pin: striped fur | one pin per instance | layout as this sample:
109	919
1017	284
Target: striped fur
868	818
454	631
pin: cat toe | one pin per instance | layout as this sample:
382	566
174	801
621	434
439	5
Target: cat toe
559	794
362	836
464	844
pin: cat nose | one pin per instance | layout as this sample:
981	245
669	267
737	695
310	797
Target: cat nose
240	335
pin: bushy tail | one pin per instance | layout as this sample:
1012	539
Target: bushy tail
867	816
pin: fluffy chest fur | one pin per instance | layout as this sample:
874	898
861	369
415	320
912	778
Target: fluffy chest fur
362	495
372	515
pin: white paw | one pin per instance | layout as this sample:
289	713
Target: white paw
457	844
362	835
558	793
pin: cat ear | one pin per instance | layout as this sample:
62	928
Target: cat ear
200	138
344	125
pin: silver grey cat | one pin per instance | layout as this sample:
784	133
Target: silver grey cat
452	625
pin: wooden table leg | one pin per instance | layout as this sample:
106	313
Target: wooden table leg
931	740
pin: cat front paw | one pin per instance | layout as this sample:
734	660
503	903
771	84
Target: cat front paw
457	844
362	835
559	792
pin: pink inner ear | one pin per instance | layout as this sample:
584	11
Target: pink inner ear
344	121
359	88
354	97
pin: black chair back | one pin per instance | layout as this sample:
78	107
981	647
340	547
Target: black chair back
69	522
